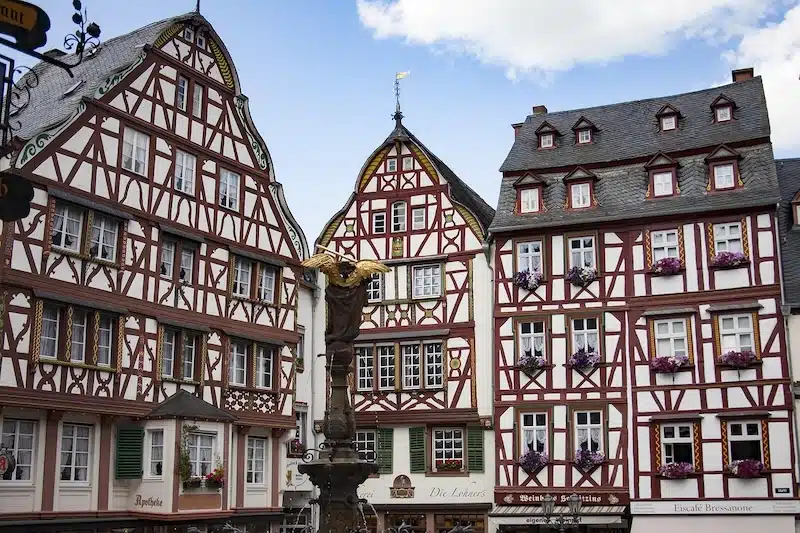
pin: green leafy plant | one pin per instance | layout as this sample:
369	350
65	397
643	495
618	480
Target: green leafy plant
184	462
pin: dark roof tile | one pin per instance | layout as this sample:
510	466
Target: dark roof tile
183	404
789	183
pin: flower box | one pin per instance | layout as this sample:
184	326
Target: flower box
738	359
194	482
747	468
581	277
584	359
531	364
586	459
525	279
533	461
669	364
729	260
449	465
668	266
215	479
676	470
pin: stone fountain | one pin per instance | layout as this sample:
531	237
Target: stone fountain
336	468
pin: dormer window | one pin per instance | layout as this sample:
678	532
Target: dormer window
662	183
663	174
668	117
723	176
546	140
669	123
546	135
580	188
529	193
722	106
581	195
529	200
723	170
584	136
723	113
584	131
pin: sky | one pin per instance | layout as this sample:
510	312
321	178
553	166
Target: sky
320	74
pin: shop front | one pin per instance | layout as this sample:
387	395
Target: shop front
425	518
525	512
714	516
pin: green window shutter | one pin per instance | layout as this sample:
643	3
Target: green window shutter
416	447
130	443
383	453
475	448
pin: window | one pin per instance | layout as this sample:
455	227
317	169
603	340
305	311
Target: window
379	222
241	277
171	249
19	437
300	418
238	372
736	333
408	163
413	369
184	172
668	123
528	200
546	140
391	165
662	183
398	216
670	336
585	334
531	338
418	218
580	195
245	271
266	284
534	432
75	449
374	288
386	367
723	176
448	446
48	344
589	430
427	281
722	113
134	151
67	224
676	443
664	244
180	94
201	452
188	34
197	101
364	364
584	136
201	40
229	189
366	444
105	336
728	237
434	365
256	460
529	256
103	242
252	365
78	348
744	440
83	339
155	439
264	365
180	355
581	252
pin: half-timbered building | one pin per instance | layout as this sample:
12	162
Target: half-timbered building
153	302
419	377
639	348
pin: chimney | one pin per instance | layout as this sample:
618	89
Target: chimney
54	53
539	110
742	74
517	127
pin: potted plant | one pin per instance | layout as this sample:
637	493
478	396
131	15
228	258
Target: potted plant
448	465
746	468
184	463
667	266
584	359
581	276
216	478
531	461
728	260
193	482
736	359
587	459
531	363
525	279
676	470
668	364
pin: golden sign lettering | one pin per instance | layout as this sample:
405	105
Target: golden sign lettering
19	15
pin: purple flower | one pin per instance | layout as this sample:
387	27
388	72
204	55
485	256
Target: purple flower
582	276
584	359
531	461
746	468
738	359
667	266
668	364
525	279
530	362
728	259
586	459
676	470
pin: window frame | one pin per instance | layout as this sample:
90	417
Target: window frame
671	336
15	449
579	136
181	102
200	37
148	459
574	333
521	257
715	181
399	216
366	453
368	366
730	438
672	441
72	466
229	186
376	216
135	137
663	122
716	239
199	462
406	159
463	448
583	250
250	368
738	332
391	164
376	279
666	246
534	200
177	362
533	335
87	246
184	157
179	248
91	347
433	276
365	372
251	461
719	113
198	107
551	143
589	194
673	188
254	278
589	426
423	221
523	445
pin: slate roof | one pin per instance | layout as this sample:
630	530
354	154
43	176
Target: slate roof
48	105
631	129
789	182
183	404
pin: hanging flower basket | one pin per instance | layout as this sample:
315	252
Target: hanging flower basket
676	470
581	277
531	363
216	479
449	465
668	364
525	279
667	266
747	468
738	359
584	359
532	461
728	260
586	460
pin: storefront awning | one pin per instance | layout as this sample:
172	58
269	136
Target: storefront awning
520	515
691	523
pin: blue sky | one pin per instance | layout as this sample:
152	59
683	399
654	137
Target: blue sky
320	74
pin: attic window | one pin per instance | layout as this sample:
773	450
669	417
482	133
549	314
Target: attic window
669	122
663	176
73	88
201	40
546	140
584	136
529	200
723	167
188	34
722	113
